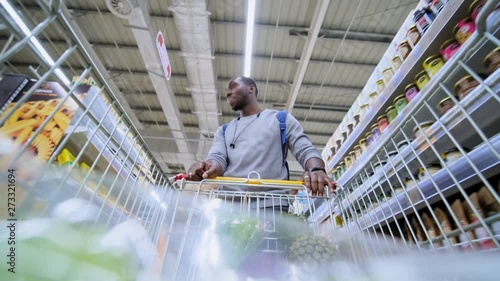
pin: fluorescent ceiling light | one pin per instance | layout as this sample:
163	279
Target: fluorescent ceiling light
249	37
24	28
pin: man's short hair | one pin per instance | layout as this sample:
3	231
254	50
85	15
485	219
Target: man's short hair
249	82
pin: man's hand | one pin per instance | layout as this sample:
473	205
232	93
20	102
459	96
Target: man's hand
316	182
201	170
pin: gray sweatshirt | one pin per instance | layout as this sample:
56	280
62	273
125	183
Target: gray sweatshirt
257	146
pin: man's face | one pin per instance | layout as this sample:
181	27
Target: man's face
237	94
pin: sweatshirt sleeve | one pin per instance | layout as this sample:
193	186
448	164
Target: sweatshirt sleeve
218	152
299	143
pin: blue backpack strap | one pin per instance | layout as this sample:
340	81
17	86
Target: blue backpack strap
281	115
224	127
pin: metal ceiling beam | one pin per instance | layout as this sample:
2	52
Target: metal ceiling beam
318	17
367	36
351	35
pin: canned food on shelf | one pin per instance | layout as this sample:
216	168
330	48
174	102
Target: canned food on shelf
464	29
433	64
372	97
387	74
400	103
375	131
391	113
421	79
464	86
449	48
445	104
382	122
369	139
424	125
452	155
413	35
475	8
396	63
404	49
431	170
363	145
492	60
411	91
380	85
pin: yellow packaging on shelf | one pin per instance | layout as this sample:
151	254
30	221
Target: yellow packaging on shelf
65	158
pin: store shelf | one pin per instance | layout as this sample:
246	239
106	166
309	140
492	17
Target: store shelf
482	157
428	45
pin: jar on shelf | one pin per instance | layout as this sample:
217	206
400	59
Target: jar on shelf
344	136
413	35
404	49
357	151
464	29
387	74
445	104
352	154
424	125
475	8
391	155
422	20
369	139
380	86
372	97
492	60
403	144
363	109
341	169
449	48
375	131
391	113
339	143
363	145
464	86
400	103
350	128
382	122
348	162
421	79
379	165
411	91
433	64
431	170
396	63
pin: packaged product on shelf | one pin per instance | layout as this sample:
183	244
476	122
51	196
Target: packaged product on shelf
480	232
375	131
391	155
464	86
356	119
363	145
403	144
421	79
445	104
352	154
446	226
452	155
464	29
404	49
339	143
422	20
433	64
341	169
449	48
424	125
431	170
396	63
65	158
465	238
411	91
431	228
475	8
380	86
369	139
418	230
398	189
408	235
391	113
357	151
350	127
383	122
363	109
379	165
413	35
400	103
491	207
387	74
409	182
492	60
436	6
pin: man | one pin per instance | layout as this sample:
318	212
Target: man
252	142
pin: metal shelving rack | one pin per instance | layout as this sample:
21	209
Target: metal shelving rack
377	198
124	180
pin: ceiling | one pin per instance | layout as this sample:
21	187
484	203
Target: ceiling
310	57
